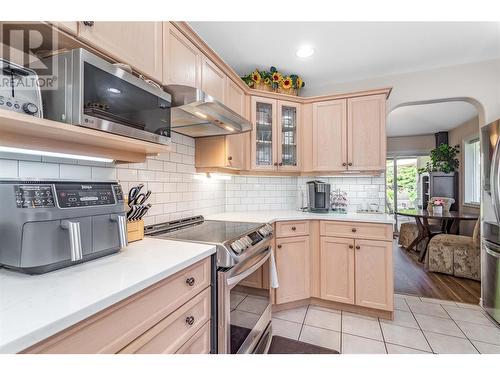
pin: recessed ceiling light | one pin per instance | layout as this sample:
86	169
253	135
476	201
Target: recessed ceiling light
305	51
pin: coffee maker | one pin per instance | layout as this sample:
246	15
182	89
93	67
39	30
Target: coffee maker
318	196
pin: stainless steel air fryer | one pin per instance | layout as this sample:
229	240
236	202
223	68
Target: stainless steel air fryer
46	225
318	196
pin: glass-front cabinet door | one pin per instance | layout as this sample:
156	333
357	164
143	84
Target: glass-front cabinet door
264	133
288	129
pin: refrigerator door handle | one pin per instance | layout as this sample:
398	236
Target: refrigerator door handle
494	182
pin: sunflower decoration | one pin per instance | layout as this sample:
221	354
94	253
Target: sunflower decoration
256	77
287	83
274	80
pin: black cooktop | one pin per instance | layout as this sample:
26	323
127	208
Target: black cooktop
209	231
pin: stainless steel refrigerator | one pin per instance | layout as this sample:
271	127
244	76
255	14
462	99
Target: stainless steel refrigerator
490	219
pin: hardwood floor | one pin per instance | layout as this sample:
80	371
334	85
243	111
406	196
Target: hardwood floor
410	277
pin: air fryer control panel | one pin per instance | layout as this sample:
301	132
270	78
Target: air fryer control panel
67	195
34	196
84	195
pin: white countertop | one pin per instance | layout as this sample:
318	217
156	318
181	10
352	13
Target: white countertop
34	307
285	215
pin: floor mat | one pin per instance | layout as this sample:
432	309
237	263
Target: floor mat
283	345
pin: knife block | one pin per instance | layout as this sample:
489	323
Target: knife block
135	230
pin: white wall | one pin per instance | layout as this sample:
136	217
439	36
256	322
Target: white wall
480	81
282	193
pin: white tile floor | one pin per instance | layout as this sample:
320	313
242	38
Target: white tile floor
420	326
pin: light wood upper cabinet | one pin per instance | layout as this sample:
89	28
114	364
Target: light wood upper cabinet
182	59
374	275
337	269
213	80
236	145
136	43
329	138
292	262
275	144
68	26
264	137
225	151
366	143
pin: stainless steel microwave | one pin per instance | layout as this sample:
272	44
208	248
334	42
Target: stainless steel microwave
91	92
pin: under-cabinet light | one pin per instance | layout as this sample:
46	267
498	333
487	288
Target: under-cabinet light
114	91
230	128
53	154
211	176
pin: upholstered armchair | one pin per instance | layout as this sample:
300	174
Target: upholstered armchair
455	255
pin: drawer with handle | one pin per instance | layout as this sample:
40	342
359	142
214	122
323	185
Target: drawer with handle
292	228
372	231
112	329
169	335
199	343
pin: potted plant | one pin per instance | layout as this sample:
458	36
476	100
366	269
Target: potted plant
443	159
437	206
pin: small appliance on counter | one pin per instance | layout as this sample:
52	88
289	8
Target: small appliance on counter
318	196
19	89
94	93
47	225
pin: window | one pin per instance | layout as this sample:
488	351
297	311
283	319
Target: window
472	168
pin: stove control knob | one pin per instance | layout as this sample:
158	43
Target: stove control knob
247	241
263	231
237	246
30	108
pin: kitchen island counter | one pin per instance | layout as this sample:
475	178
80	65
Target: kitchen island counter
34	307
291	215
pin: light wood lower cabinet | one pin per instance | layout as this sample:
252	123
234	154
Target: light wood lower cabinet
357	272
199	343
337	269
341	268
171	333
374	274
153	320
292	262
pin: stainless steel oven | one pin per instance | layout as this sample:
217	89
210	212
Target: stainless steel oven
245	306
94	93
242	302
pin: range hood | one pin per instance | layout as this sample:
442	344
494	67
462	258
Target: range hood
196	114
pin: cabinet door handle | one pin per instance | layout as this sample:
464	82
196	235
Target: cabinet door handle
280	164
351	247
88	23
229	158
358	247
190	281
190	320
294	228
276	164
354	230
279	246
344	164
350	164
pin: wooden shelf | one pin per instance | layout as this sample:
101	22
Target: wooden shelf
23	131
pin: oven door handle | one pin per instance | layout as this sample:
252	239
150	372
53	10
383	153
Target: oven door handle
260	260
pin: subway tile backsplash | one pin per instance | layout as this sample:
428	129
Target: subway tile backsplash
175	192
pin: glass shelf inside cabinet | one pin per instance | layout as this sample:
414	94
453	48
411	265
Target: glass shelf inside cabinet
289	136
264	134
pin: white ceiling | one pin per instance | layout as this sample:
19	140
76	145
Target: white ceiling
428	118
350	51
